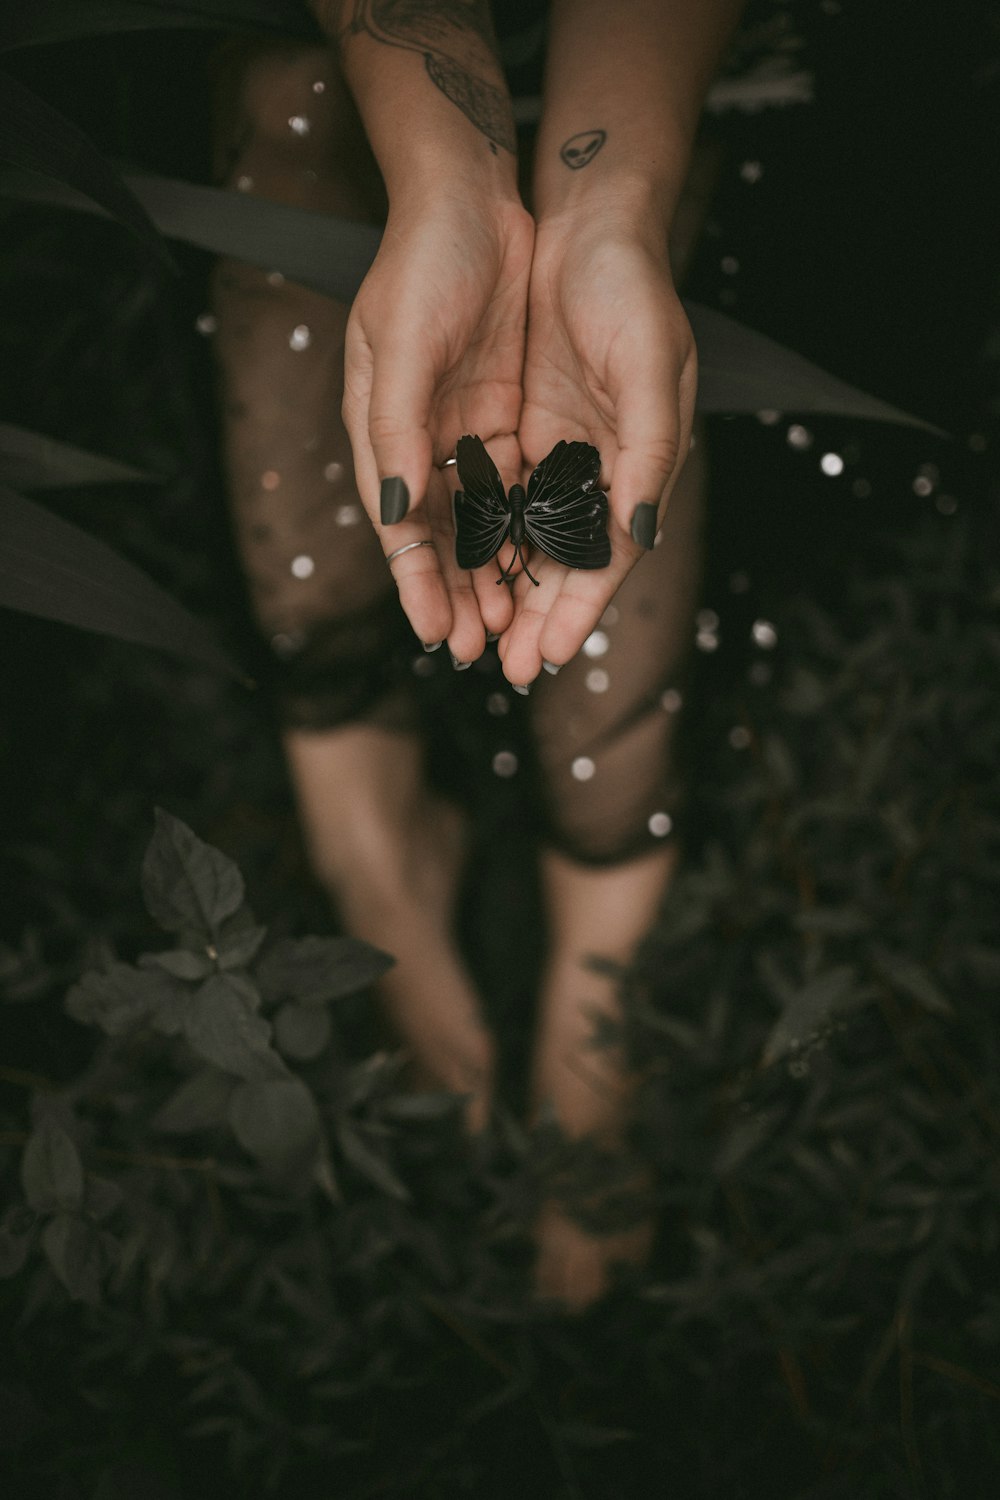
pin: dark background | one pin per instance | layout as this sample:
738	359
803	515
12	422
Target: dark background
869	243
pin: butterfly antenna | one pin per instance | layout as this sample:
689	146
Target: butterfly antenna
524	566
506	574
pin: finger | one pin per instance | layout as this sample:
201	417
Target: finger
654	418
398	427
519	648
493	598
467	634
388	388
549	631
415	568
494	604
423	594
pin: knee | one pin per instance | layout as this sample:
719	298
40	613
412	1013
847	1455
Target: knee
271	85
287	126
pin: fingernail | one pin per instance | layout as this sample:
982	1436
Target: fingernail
432	645
394	500
644	525
492	635
550	666
460	666
521	687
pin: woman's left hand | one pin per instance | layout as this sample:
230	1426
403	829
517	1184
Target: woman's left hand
610	359
434	349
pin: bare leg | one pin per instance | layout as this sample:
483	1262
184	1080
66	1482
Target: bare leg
387	852
604	913
605	727
391	858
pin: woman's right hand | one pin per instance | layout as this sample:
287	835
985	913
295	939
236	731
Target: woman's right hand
435	349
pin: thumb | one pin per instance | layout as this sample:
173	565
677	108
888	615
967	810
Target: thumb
654	434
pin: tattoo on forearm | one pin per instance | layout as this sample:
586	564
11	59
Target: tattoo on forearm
580	150
456	41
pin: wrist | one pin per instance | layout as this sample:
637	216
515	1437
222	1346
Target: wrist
436	169
432	98
631	205
637	183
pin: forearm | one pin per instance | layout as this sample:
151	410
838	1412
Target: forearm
430	91
634	73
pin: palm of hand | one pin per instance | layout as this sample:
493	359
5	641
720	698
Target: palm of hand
608	348
435	349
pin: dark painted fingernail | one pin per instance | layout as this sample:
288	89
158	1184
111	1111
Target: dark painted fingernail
460	666
492	635
644	525
394	500
432	645
521	687
550	666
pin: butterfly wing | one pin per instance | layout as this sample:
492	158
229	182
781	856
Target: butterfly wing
564	514
480	508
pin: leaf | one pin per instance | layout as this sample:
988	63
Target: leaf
276	1120
314	970
32	461
749	1132
24	975
374	1075
51	1170
17	1231
913	980
809	1009
325	1178
36	138
301	1031
369	1163
57	571
181	963
201	1103
73	1250
121	998
740	370
239	941
48	21
325	252
101	1198
187	884
223	1029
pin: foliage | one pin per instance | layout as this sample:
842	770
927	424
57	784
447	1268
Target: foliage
239	1256
235	1223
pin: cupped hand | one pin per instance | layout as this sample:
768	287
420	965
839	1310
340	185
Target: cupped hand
434	349
610	359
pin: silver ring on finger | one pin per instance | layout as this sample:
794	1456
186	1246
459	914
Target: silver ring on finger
409	548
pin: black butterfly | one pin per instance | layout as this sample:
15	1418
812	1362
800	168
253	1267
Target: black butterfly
561	514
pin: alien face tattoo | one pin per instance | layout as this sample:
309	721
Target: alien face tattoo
580	150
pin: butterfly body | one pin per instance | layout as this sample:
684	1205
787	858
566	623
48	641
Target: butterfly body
562	512
516	499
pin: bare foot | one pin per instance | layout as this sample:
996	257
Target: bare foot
391	857
589	1087
428	995
574	1264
